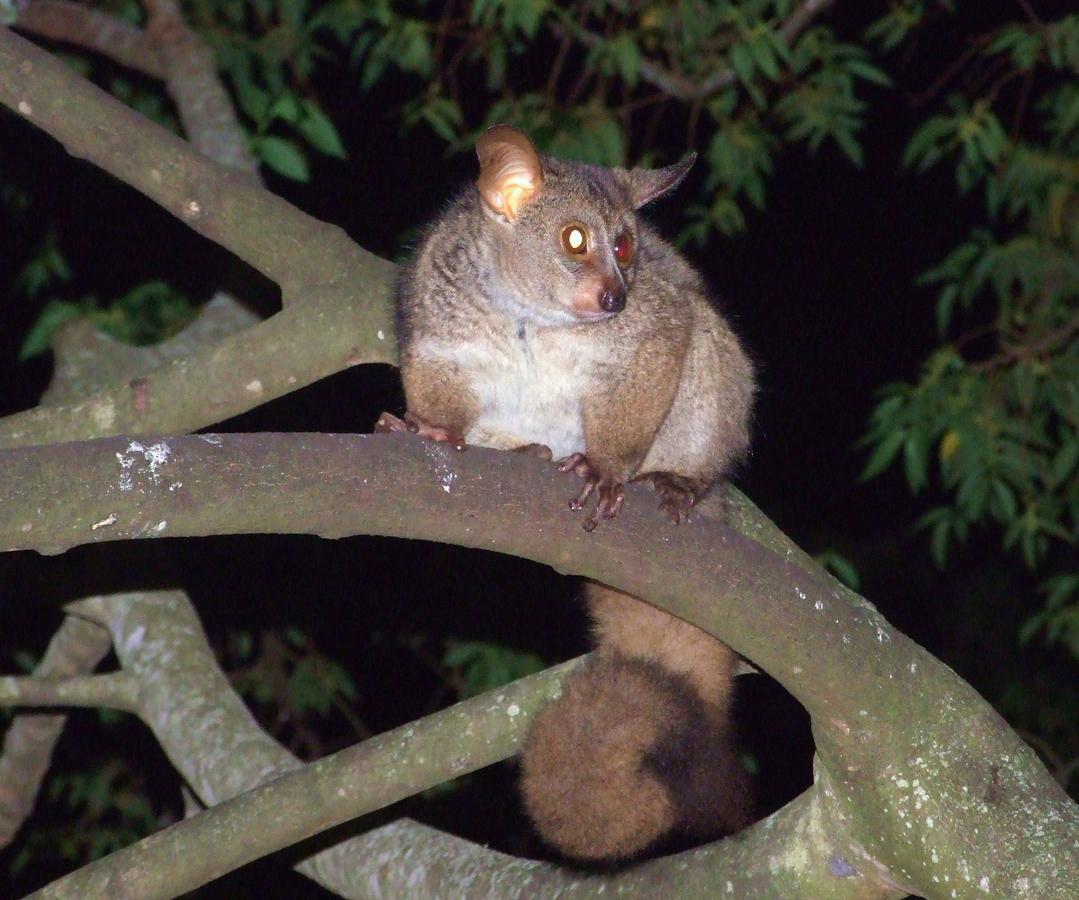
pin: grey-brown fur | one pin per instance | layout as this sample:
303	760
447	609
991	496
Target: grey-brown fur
509	338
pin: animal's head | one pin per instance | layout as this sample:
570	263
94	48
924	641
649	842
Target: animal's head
565	233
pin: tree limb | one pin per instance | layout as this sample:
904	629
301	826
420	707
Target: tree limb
344	320
908	754
115	690
92	29
162	649
77	647
299	253
87	361
190	72
294	348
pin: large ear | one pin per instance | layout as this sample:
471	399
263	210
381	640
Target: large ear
511	175
646	185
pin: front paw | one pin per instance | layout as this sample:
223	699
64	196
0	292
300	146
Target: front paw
676	494
610	491
388	423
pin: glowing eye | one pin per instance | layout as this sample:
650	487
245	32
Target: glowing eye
623	249
575	239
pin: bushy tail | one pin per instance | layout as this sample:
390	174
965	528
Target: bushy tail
629	752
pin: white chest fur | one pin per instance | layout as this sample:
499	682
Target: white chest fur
529	387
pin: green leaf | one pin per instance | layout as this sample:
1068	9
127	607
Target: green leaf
850	146
444	117
414	48
253	100
285	107
1064	462
840	566
293	12
320	132
883	454
47	267
764	58
56	312
915	460
1004	501
945	305
742	63
924	147
306	688
25	661
283	156
867	72
627	57
940	532
486	666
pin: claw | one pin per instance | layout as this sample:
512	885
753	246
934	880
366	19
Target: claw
676	494
609	491
576	463
388	423
577	503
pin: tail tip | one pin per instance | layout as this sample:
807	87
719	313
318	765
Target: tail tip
629	753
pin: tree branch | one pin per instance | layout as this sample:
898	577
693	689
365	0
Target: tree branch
216	745
294	348
344	320
299	253
191	78
92	29
77	647
114	690
162	648
908	754
87	361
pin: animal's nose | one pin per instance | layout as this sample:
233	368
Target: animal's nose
613	301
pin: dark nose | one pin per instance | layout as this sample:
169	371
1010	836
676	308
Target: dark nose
613	301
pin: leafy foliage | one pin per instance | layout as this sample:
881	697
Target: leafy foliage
293	685
148	313
739	77
107	809
480	666
992	422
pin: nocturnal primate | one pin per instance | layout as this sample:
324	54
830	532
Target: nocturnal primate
541	313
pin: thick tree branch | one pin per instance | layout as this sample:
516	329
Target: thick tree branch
909	755
219	749
92	29
87	361
216	745
76	648
206	110
207	732
299	253
344	320
789	855
61	496
296	347
162	649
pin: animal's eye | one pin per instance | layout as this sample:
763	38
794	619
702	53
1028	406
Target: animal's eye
575	239
623	248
